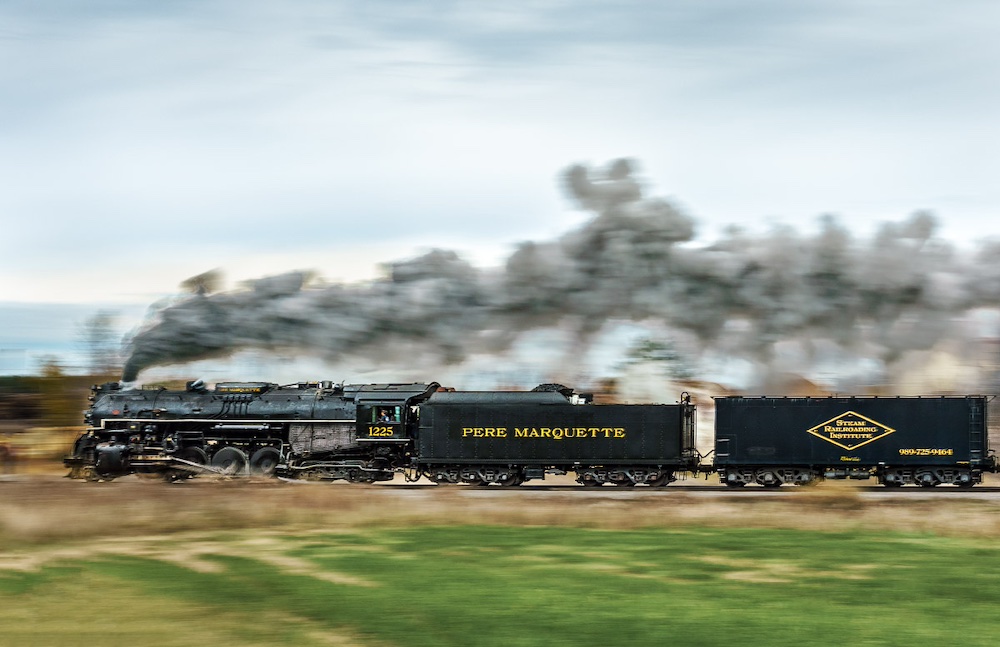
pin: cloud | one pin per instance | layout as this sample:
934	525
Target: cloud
226	130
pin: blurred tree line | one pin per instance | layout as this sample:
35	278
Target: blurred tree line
100	339
51	399
55	398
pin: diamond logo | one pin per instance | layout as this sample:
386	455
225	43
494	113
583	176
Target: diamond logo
850	430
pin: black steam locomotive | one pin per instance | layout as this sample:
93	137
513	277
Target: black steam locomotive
310	429
368	433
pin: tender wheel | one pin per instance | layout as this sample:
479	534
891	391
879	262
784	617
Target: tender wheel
472	478
662	481
512	480
230	461
264	461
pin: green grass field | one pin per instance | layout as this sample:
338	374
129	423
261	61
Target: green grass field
501	585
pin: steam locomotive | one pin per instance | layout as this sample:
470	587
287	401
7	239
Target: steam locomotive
372	432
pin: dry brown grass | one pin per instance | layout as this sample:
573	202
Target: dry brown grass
44	509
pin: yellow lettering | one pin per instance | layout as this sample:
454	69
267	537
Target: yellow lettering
553	433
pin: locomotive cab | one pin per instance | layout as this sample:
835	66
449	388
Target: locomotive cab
388	413
381	422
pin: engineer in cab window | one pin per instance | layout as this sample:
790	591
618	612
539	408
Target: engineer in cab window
385	416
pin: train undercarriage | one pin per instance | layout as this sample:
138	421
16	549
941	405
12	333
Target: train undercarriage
889	476
186	458
513	475
182	456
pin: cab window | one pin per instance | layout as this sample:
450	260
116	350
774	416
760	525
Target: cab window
385	415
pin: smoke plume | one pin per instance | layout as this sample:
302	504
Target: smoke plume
633	260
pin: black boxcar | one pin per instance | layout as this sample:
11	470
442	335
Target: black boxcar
901	440
503	437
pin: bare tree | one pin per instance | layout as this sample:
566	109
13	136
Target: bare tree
99	338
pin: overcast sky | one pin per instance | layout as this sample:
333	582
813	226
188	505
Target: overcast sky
143	143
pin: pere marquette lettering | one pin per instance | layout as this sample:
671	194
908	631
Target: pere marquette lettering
555	433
